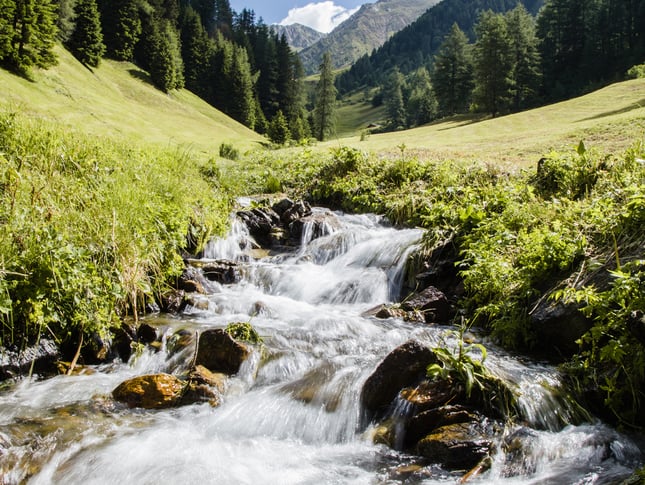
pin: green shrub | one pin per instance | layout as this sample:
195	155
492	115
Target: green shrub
636	72
228	151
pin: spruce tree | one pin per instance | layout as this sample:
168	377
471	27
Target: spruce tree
242	106
65	18
28	34
323	115
421	107
393	100
493	64
526	76
121	24
165	64
278	129
86	41
196	52
452	77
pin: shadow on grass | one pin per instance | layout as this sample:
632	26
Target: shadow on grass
458	121
626	109
141	75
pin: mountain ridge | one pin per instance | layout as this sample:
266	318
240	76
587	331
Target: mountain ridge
298	36
364	31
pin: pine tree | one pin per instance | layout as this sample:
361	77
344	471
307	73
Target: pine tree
452	77
278	129
421	107
121	24
165	64
196	52
86	41
493	64
323	116
393	100
28	34
242	106
526	76
65	18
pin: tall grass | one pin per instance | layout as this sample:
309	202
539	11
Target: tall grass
91	228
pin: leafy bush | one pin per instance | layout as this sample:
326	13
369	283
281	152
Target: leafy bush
636	72
228	151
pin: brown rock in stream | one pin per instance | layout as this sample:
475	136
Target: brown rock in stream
153	391
219	352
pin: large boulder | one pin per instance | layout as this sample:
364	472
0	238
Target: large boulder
432	303
312	227
153	391
405	366
219	352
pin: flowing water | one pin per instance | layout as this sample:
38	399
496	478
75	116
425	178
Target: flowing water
292	414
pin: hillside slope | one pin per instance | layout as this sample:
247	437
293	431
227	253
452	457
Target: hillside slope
364	31
610	119
117	99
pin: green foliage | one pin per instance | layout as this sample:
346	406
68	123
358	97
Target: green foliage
27	34
228	151
612	357
636	72
86	39
91	229
324	117
278	130
244	332
122	28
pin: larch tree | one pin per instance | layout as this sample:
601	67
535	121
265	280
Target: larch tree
452	76
493	64
86	40
324	109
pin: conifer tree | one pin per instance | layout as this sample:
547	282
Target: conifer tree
28	34
278	129
323	115
242	106
493	64
421	106
393	100
86	41
121	24
526	75
196	52
65	18
452	77
165	64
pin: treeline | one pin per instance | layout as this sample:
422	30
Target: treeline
233	61
496	60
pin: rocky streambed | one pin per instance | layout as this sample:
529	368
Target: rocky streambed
299	349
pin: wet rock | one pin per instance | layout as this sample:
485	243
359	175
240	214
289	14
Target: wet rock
457	446
14	363
298	210
432	303
260	222
314	388
222	271
122	341
146	334
282	206
433	394
219	352
440	271
153	391
424	423
405	366
180	341
394	311
557	327
191	281
314	225
201	375
173	301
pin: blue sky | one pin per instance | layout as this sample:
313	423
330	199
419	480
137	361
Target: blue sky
321	15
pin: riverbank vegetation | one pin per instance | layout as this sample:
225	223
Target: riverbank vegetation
570	229
92	228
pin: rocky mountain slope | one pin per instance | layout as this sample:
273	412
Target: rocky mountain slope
298	36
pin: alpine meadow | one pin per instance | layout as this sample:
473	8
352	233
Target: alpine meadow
420	264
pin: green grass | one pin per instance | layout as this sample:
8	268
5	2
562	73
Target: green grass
117	100
609	119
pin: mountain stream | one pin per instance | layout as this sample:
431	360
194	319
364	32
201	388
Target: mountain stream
307	305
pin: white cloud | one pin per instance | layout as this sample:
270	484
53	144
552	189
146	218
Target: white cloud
322	16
